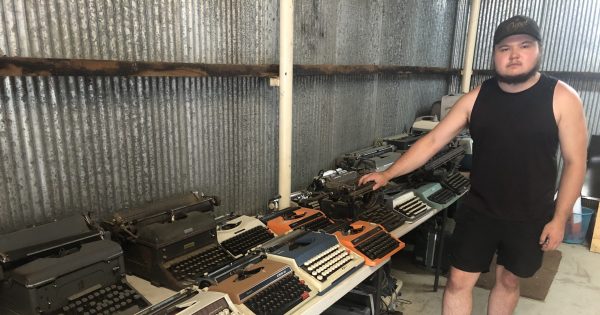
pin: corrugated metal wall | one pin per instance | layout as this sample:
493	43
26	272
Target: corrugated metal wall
571	42
97	144
335	115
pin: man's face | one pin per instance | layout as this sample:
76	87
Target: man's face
516	59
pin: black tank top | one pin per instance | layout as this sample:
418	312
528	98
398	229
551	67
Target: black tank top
515	143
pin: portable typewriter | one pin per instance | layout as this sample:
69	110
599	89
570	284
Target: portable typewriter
439	167
64	267
192	301
266	287
436	195
345	198
370	241
318	257
171	242
384	216
239	234
409	205
293	218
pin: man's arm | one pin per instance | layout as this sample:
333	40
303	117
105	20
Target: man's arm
572	133
422	150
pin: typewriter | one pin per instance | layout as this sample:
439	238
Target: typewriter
308	199
192	301
384	216
456	183
436	195
345	198
370	241
266	287
377	158
64	267
439	167
409	205
317	257
170	242
293	218
239	234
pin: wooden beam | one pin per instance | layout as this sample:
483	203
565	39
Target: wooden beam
19	66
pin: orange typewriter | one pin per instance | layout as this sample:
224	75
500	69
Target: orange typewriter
296	217
370	241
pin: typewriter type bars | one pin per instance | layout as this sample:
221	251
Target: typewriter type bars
410	206
297	217
370	241
240	234
171	242
379	214
318	258
267	287
65	267
192	301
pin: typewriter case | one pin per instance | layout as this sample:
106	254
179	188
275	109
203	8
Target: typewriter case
44	284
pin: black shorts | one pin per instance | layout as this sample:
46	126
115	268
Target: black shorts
477	237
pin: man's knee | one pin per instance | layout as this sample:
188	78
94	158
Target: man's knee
459	280
507	279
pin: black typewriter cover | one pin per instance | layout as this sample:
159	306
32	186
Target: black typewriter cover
166	233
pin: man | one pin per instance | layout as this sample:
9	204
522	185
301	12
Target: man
517	120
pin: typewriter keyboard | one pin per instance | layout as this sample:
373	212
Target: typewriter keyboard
327	262
116	298
442	196
412	209
240	244
317	224
387	218
457	183
279	297
200	263
377	246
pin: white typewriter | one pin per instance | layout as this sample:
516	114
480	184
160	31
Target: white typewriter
192	301
239	234
409	205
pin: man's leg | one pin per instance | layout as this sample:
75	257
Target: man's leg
458	295
505	293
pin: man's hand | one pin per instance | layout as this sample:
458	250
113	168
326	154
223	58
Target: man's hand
552	235
379	178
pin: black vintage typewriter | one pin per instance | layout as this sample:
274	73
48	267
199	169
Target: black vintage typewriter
345	198
171	242
64	267
384	216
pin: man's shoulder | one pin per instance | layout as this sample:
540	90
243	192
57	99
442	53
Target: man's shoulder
565	95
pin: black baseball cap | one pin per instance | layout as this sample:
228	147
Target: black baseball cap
517	24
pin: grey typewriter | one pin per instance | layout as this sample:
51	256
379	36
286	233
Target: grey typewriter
170	242
64	267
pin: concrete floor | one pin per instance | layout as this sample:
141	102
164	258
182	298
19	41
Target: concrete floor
575	289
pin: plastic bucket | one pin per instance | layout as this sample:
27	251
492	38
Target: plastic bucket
577	227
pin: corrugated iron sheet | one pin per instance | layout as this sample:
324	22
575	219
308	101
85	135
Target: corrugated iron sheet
571	41
97	144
